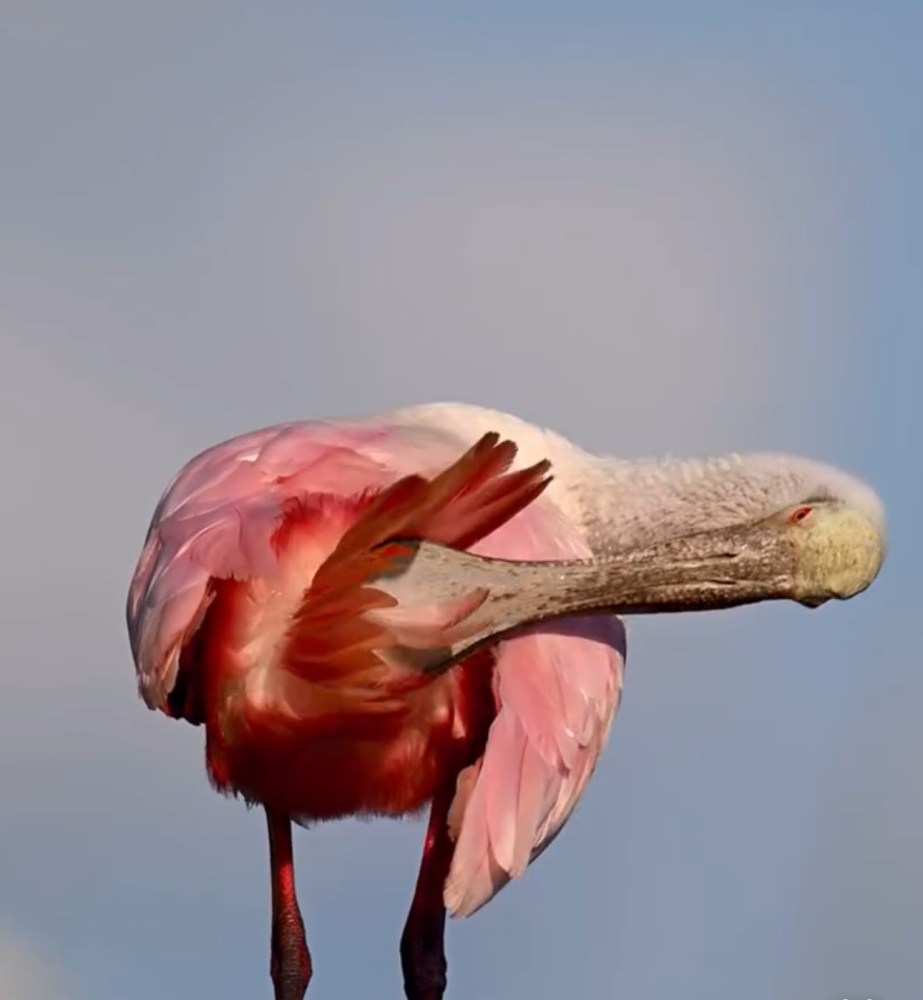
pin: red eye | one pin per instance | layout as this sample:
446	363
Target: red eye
799	514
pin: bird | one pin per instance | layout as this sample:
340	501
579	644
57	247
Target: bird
423	608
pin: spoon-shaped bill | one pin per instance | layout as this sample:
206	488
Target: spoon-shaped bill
835	553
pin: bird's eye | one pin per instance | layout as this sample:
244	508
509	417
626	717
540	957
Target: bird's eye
799	514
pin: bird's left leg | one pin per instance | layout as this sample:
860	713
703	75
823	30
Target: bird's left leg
422	943
291	961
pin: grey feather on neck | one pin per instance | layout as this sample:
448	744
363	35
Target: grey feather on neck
625	504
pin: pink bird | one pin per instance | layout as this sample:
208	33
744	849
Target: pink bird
304	593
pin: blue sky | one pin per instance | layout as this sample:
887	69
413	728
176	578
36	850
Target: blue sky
655	228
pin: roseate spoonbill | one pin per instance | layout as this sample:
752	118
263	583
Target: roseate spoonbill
355	611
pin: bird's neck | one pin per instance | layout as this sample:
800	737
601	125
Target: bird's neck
627	504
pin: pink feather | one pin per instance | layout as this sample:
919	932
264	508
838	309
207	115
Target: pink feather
556	688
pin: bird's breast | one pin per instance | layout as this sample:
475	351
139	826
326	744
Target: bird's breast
321	750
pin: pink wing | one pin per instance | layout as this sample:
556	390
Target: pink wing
558	688
217	516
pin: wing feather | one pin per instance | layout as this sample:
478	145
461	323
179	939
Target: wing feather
216	520
557	688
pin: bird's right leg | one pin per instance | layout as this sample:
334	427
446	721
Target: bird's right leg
290	966
422	943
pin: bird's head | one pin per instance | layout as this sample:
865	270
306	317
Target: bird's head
834	523
773	526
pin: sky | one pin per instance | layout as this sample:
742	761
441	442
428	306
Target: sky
657	228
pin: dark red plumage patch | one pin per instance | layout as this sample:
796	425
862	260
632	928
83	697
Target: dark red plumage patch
460	506
365	737
329	639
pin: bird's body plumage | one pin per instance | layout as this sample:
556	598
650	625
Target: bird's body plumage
515	732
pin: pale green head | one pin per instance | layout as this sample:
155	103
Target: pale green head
838	551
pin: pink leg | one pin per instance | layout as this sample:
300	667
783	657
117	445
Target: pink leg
422	947
290	966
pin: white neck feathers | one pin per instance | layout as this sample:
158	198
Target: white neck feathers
618	502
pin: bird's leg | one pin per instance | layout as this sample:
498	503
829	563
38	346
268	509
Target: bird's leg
422	948
290	966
